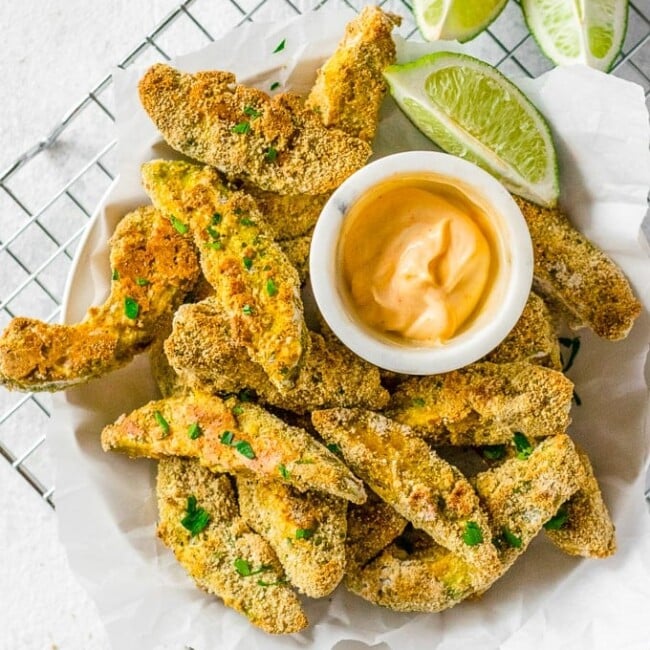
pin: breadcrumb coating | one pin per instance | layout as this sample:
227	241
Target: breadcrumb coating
153	268
400	468
232	437
272	142
485	403
576	276
254	282
306	530
203	352
350	87
214	557
588	530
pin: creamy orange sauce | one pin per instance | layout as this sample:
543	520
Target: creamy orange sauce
417	258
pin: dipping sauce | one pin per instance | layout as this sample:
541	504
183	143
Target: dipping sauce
418	258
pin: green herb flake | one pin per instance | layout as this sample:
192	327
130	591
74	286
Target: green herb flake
334	448
246	221
280	46
142	282
262	583
284	472
419	402
227	438
251	111
194	431
574	347
270	154
493	452
162	423
245	449
216	219
244	569
131	308
237	409
558	520
215	234
248	263
116	274
472	534
522	445
274	86
196	519
304	533
510	538
248	310
214	245
242	128
179	226
246	395
271	287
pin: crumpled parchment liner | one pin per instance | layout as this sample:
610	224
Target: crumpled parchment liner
106	504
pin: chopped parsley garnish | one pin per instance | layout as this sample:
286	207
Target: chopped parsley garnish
162	423
284	472
574	347
304	533
116	274
472	534
196	519
270	154
246	395
216	219
558	520
179	226
131	308
248	263
274	85
248	310
245	449
493	452
194	431
215	234
522	445
246	221
280	46
334	448
510	538
244	569
237	409
142	282
251	111
242	128
271	287
227	438
262	583
419	402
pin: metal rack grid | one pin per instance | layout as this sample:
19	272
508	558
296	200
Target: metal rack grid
35	243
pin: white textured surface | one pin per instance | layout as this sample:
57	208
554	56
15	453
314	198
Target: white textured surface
52	53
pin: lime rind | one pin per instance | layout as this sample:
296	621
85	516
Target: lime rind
534	17
432	18
407	84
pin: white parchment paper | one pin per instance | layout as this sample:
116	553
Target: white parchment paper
105	502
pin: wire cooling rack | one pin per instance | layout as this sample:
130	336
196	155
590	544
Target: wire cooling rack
41	227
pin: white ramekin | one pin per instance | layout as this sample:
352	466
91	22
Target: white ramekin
503	307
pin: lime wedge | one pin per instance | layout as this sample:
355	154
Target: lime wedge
468	108
578	31
459	20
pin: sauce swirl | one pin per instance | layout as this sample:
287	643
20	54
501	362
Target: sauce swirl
418	258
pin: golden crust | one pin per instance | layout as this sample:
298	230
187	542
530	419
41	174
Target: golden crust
576	276
297	252
372	526
306	530
271	142
256	285
350	87
256	443
533	338
203	352
400	468
153	266
211	557
589	530
484	403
